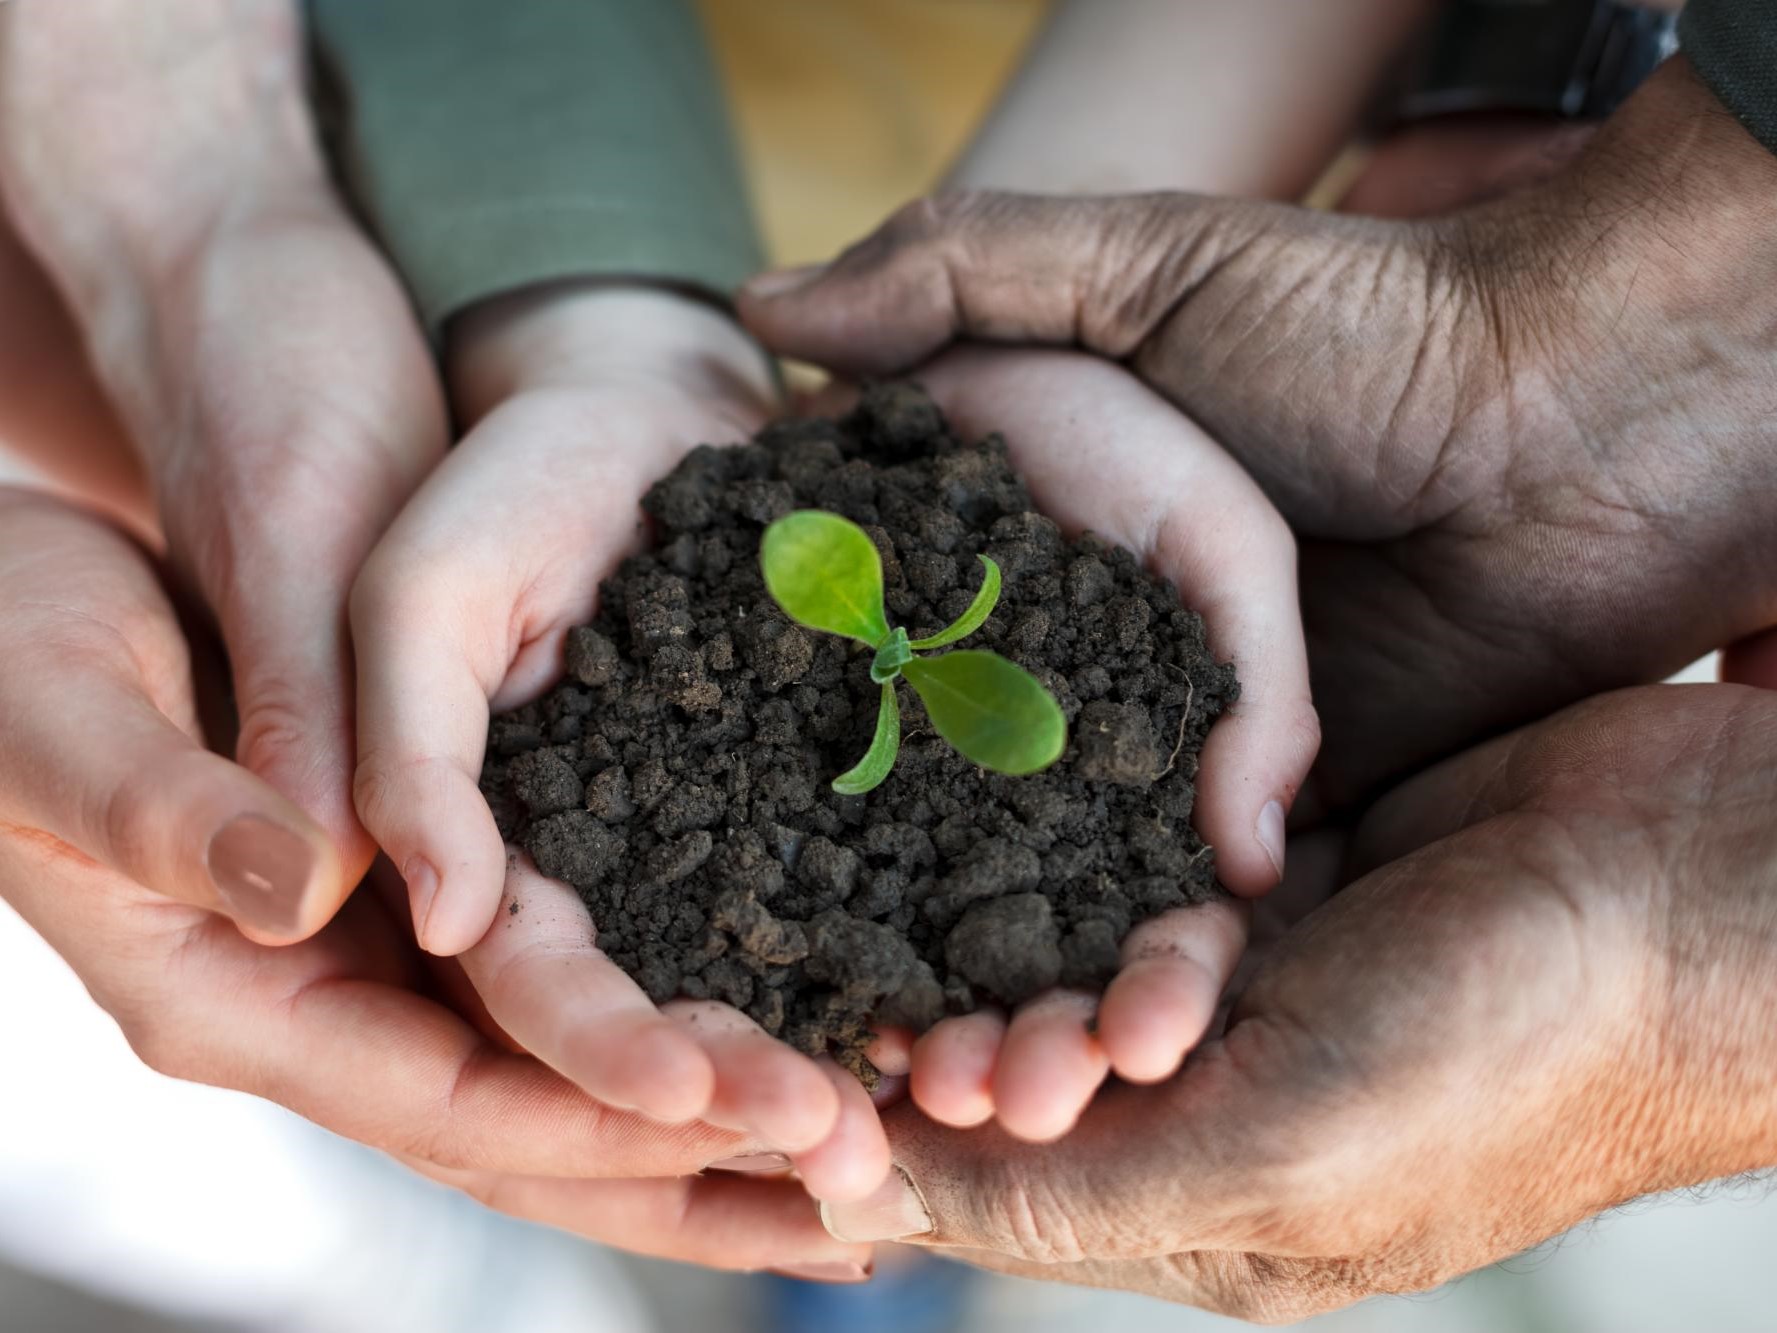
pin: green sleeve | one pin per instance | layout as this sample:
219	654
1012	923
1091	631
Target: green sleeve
493	144
1733	44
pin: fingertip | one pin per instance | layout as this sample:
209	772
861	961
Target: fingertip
951	1069
677	1081
1155	1011
853	1161
275	874
451	915
799	1111
1253	765
1049	1069
890	1050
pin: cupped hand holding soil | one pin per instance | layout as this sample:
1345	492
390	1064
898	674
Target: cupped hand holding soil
578	400
679	778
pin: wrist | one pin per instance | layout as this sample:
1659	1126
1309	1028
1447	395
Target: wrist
590	333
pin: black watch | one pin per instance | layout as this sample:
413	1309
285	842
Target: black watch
1574	58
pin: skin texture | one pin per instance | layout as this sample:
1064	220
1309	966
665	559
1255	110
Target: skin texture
1546	990
269	367
1492	495
1549	436
160	165
1232	558
350	1027
1096	106
576	397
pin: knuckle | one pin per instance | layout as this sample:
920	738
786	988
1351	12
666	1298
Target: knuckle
280	720
1304	731
387	788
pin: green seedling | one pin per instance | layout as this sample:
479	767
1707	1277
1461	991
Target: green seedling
824	572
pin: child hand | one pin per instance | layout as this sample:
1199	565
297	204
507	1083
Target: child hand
1101	451
581	398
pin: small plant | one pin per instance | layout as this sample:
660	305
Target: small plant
824	572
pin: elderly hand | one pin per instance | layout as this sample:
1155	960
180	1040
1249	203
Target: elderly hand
159	161
1549	990
1517	441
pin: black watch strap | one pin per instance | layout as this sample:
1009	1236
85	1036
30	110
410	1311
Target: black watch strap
1576	58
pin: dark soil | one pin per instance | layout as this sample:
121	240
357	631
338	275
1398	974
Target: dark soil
678	778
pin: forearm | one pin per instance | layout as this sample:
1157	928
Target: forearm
1245	99
130	137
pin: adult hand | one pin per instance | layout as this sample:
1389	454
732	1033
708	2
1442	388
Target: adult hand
1102	452
160	163
340	1028
1552	993
578	398
1517	440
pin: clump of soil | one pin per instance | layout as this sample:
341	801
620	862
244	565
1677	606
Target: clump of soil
678	777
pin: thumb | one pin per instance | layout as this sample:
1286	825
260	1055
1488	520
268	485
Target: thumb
1148	1171
97	719
1101	273
1322	350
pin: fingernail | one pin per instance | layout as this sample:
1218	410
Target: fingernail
422	888
261	871
837	1271
1270	834
894	1212
759	1161
783	281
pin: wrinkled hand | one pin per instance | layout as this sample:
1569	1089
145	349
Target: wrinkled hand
579	398
1183	506
1516	441
104	778
160	163
1550	990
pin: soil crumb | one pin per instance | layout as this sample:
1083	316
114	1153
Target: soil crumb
678	777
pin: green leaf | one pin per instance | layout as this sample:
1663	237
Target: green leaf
993	711
972	619
883	751
824	572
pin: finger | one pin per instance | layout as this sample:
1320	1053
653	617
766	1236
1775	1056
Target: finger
853	1160
445	621
1175	969
952	1068
890	1050
281	456
1097	273
426	670
1050	1065
547	984
373	1062
762	1086
1149	479
1145	1172
734	1223
95	719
